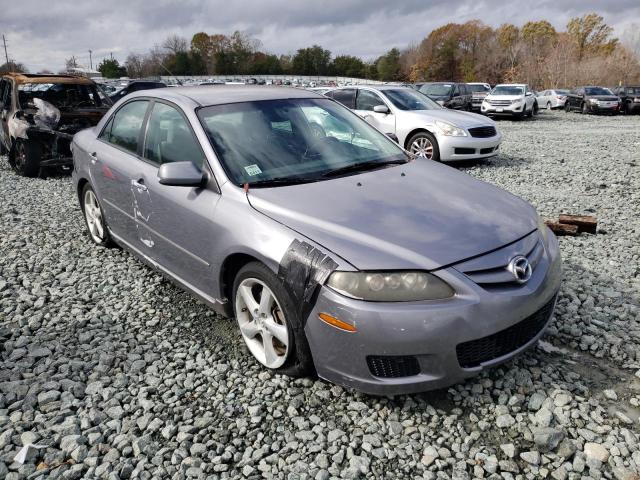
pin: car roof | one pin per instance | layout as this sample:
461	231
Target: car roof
374	87
205	95
21	78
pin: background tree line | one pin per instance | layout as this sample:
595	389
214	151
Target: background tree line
536	53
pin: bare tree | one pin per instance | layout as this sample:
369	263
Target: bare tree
175	44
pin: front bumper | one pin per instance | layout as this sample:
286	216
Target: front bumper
600	108
427	331
513	109
467	148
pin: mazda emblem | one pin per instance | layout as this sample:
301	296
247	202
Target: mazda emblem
520	268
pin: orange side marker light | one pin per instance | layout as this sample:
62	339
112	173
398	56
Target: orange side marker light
335	322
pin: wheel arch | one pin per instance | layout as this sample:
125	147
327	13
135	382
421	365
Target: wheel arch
413	132
228	271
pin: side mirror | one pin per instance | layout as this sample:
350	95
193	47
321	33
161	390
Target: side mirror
381	109
529	94
393	137
180	174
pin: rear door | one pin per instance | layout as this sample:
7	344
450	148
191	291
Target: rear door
366	101
113	163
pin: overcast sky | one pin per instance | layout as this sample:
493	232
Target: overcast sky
42	33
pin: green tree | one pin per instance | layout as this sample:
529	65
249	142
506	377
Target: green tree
591	35
311	61
111	68
347	66
388	66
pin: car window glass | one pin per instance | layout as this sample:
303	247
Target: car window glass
6	98
456	91
289	138
366	100
125	130
3	86
346	97
169	138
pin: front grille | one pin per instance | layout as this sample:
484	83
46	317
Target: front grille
482	132
393	367
486	150
475	352
464	151
500	103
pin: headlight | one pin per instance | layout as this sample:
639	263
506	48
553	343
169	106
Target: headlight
390	286
544	230
593	100
449	129
517	100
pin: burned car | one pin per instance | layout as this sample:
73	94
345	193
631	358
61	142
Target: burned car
39	114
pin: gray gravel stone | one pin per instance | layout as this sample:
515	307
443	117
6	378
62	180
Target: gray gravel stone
109	365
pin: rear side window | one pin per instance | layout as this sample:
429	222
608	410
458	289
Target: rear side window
346	96
169	138
126	125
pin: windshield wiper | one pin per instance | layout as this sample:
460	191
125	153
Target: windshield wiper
362	167
281	181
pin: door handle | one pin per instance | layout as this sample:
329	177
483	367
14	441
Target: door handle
139	184
94	157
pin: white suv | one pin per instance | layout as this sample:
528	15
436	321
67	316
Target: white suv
515	99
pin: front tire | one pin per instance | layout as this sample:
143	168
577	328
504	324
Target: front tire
25	158
269	321
94	217
424	144
567	107
549	106
585	108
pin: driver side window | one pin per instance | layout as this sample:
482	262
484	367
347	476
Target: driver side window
170	139
367	100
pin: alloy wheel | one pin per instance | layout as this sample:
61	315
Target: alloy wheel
262	322
93	214
422	147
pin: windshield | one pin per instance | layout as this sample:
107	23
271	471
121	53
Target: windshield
478	88
507	90
633	90
293	139
64	96
597	91
409	99
436	89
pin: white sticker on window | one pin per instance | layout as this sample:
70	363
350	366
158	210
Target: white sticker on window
253	170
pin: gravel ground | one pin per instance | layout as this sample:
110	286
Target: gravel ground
115	373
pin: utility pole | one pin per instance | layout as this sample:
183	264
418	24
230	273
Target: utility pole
6	55
90	61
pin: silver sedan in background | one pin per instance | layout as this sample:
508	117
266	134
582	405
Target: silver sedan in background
337	252
554	98
420	125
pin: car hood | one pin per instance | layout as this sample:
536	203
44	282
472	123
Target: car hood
458	118
505	97
421	215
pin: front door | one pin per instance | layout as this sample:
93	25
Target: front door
366	101
114	163
175	225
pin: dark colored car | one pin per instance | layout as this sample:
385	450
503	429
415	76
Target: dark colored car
592	100
136	86
448	94
630	97
39	114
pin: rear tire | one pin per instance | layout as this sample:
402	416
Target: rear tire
424	144
94	217
25	158
261	325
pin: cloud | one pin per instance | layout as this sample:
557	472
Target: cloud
42	34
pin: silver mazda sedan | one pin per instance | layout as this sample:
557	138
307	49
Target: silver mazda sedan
335	250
